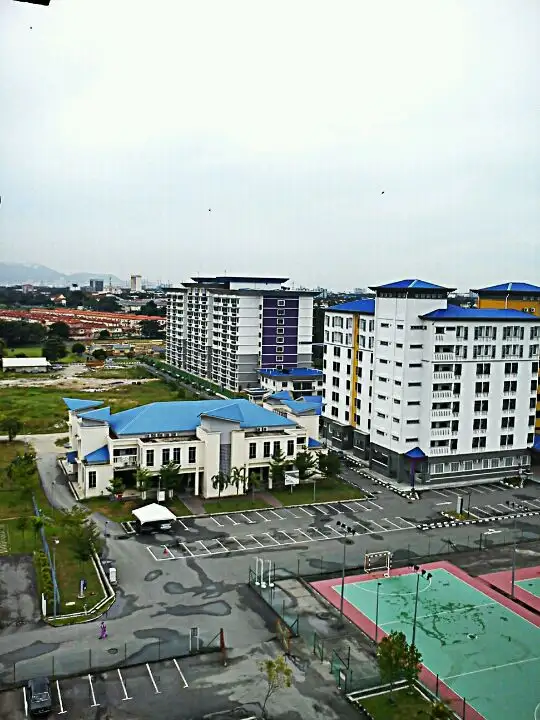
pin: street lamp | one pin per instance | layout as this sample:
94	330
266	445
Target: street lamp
428	576
55	584
348	531
515	506
377	613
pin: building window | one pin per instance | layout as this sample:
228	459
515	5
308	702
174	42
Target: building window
414	384
277	448
290	447
192	457
281	312
281	302
92	479
334	412
478	443
165	456
266	450
252	451
150	458
176	456
467	465
413	422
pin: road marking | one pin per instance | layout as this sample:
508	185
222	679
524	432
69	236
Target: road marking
492	531
333	509
287	536
92	691
362	526
25	702
497	512
407	523
377	524
262	516
222	545
276	514
304	533
493	488
349	508
248	520
455	493
238	541
318	508
481	511
291	512
448	502
217	523
476	489
126	696
438	492
311	514
182	523
167	551
339	534
375	504
204	547
62	711
533	503
390	522
233	521
186	548
151	553
255	539
320	533
181	673
272	538
152	679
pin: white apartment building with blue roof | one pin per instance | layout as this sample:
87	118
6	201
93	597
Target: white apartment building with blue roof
426	391
203	438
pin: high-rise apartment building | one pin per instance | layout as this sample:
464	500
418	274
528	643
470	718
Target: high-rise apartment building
135	283
226	328
419	387
516	296
96	285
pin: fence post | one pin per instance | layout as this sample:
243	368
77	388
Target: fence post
464	708
437	685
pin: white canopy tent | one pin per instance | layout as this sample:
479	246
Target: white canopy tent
152	515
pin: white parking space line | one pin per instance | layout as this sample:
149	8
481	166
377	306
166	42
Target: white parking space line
407	523
62	711
481	511
439	492
181	673
329	527
287	536
534	503
362	526
448	502
279	517
238	541
255	539
151	553
375	504
291	512
158	692
474	489
318	531
183	524
126	696
217	523
186	548
299	530
333	508
453	492
272	538
377	524
248	520
390	522
348	507
262	516
318	508
25	702
311	514
233	521
95	704
204	547
497	512
495	488
222	545
167	552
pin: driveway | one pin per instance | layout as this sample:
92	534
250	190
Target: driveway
19	607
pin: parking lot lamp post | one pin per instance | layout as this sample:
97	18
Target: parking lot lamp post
349	531
377	613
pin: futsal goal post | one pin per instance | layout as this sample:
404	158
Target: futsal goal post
378	562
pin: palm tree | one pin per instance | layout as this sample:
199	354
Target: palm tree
255	481
142	479
238	477
37	523
220	482
169	476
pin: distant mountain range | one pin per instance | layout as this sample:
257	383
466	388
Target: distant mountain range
19	273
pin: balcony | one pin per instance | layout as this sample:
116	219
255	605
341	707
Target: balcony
440	432
441	394
441	413
440	450
444	357
443	375
123	461
439	337
479	431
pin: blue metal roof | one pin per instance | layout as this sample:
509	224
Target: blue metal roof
282	395
410	284
512	287
365	307
536	443
297	406
186	416
312	443
99	456
456	312
74	404
71	457
102	414
415	454
292	373
317	399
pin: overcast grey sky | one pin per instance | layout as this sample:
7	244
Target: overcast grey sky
123	121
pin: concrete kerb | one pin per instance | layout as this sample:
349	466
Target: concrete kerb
409	494
478	521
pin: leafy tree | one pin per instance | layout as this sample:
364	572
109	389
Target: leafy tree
2	348
108	304
59	330
329	464
54	349
150	329
411	666
104	335
306	464
277	468
278	675
238	478
116	487
85	539
440	711
21	332
391	653
78	348
220	482
142	480
38	523
99	354
255	482
74	519
12	427
169	477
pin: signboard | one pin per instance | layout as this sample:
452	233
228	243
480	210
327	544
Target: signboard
291	479
82	587
194	639
161	496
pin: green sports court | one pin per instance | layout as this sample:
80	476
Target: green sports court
483	647
531	586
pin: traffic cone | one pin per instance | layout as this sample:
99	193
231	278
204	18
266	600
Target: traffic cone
165	551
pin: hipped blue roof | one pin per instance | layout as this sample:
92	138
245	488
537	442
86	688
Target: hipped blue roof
297	406
415	454
282	395
186	416
99	456
456	312
410	284
103	414
364	307
511	287
312	443
71	457
75	404
317	399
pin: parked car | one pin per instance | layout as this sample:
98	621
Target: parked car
38	695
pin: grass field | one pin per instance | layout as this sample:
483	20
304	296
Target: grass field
41	410
12	503
402	706
234	504
326	490
130	372
121	511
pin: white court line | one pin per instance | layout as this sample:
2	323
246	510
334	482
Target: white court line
158	692
293	514
238	541
62	711
248	520
537	712
92	691
272	538
305	534
287	536
186	548
276	514
151	553
379	507
217	523
390	522
306	511
262	516
181	673
25	702
492	667
255	539
204	547
233	521
444	612
182	523
126	696
438	492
